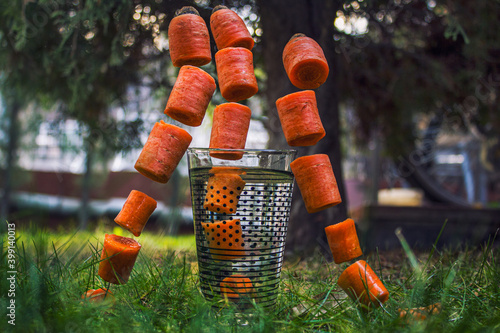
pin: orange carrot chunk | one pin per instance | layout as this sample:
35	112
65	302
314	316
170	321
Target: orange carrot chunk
224	239
189	40
299	117
118	258
235	73
236	286
305	62
162	152
98	295
316	181
135	212
229	30
190	96
420	313
223	192
229	130
361	283
343	241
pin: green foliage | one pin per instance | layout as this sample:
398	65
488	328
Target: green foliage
420	57
55	269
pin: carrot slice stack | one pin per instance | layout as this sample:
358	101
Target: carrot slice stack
118	258
343	241
299	117
236	286
135	212
189	40
235	73
98	295
162	152
190	96
229	130
361	283
229	30
305	62
224	239
316	181
223	190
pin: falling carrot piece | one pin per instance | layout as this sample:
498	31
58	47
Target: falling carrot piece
190	96
420	313
235	73
162	152
118	258
224	239
343	241
135	212
299	117
229	30
98	295
361	283
236	286
189	40
223	191
229	130
316	181
305	62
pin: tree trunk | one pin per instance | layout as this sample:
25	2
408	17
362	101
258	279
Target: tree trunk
13	109
83	216
280	20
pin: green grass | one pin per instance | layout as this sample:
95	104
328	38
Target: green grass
162	295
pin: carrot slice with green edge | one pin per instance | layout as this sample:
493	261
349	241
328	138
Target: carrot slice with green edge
162	152
420	313
229	130
118	258
190	96
98	295
361	283
229	30
235	73
189	40
343	241
135	212
223	192
224	239
299	117
305	62
226	169
236	286
316	181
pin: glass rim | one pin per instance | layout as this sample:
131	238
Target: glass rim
253	150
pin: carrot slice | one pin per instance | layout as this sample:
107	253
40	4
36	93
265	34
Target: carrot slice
229	130
98	295
305	62
229	30
236	286
299	117
343	241
227	169
224	239
316	181
162	152
223	192
361	283
135	212
420	313
118	258
190	96
235	73
189	40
